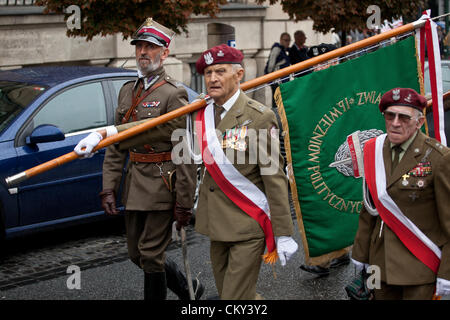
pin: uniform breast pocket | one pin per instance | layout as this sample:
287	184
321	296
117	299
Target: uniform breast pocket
150	109
417	187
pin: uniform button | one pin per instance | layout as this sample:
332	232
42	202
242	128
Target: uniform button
211	189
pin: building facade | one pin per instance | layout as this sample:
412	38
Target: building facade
29	38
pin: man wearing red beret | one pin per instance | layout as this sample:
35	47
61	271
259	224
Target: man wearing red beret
404	227
241	208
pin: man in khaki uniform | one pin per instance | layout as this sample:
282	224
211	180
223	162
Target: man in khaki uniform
148	195
417	179
237	239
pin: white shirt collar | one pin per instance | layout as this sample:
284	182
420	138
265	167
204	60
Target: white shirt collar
230	102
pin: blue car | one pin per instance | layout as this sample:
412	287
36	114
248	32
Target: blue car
44	113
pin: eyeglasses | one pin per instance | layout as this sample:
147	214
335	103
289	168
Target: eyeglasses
390	116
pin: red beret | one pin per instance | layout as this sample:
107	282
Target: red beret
218	55
402	97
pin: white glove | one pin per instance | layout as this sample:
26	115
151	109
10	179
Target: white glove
359	265
286	247
442	287
88	143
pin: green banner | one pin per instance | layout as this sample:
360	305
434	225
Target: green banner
320	110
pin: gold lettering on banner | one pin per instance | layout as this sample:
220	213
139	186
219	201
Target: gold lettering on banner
315	147
366	97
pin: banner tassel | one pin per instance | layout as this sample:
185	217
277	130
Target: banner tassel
270	257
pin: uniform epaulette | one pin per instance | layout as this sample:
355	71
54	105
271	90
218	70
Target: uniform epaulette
257	106
173	82
436	145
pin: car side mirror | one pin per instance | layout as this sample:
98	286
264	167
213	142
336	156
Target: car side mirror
45	133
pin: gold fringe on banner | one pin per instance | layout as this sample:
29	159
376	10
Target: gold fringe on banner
421	83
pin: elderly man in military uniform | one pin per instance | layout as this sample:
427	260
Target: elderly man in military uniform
148	195
404	228
241	208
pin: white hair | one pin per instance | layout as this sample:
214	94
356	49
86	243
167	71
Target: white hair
236	67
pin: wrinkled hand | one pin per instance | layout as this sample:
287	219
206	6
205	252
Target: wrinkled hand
182	216
109	202
359	265
286	247
85	146
442	287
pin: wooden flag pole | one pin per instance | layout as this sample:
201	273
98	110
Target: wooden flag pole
24	175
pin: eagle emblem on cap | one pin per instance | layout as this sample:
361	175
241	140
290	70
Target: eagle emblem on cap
408	98
220	53
208	58
396	94
149	22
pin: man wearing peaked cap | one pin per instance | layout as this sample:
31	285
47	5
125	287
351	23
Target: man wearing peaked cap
404	226
153	195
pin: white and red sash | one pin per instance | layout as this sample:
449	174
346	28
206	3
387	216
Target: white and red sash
408	233
236	187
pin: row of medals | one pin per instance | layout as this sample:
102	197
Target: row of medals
235	138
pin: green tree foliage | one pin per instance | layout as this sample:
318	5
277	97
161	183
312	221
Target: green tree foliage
103	17
346	15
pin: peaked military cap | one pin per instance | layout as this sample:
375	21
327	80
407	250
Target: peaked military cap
152	31
320	49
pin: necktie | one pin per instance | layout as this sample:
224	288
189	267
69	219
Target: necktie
217	112
397	150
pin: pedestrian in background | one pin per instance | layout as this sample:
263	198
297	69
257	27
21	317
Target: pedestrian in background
299	51
278	59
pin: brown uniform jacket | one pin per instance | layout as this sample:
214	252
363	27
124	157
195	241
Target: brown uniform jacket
217	216
144	189
428	207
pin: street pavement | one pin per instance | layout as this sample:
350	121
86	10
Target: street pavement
122	280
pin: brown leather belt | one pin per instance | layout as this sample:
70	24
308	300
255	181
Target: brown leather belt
150	157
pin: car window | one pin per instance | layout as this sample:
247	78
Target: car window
14	97
76	109
117	84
